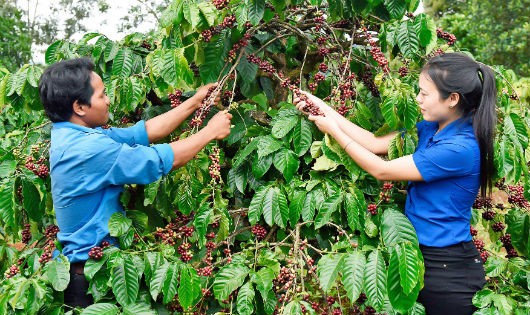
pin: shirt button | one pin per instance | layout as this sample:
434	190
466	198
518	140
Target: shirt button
445	266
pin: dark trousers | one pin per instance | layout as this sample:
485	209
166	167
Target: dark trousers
452	276
75	294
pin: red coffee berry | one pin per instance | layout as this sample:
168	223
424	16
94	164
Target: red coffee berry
259	231
372	208
26	233
96	253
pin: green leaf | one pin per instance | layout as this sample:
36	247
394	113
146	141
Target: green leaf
111	50
328	270
125	282
426	29
238	177
245	299
287	162
355	205
268	145
396	8
256	9
519	228
150	192
157	280
50	57
242	155
228	279
191	13
292	308
502	304
375	279
410	112
119	224
352	274
246	70
261	165
255	210
189	287
171	282
208	11
396	228
8	212
58	273
32	200
201	221
483	298
296	205
331	205
410	268
215	54
101	309
494	266
139	309
286	120
389	110
302	136
521	128
122	65
408	41
34	74
263	279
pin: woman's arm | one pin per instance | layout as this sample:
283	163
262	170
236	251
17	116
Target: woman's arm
402	168
377	145
162	125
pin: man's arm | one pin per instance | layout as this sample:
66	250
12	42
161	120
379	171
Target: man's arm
162	125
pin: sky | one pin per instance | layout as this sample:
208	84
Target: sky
106	23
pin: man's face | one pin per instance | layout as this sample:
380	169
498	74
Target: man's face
97	114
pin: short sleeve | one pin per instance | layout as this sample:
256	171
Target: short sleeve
135	134
108	162
443	160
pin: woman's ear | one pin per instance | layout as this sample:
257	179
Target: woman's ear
78	109
454	98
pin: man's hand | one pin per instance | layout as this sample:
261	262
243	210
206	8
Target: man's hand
201	94
220	124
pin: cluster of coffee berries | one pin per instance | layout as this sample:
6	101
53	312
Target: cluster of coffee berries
145	44
226	98
167	236
195	69
174	98
450	38
51	231
516	196
263	65
215	167
11	271
174	306
372	208
40	168
241	44
323	68
506	241
26	234
368	81
285	278
385	193
488	214
376	52
228	22
403	71
309	106
473	231
204	109
483	203
220	4
96	253
435	53
498	226
259	231
125	120
185	253
479	244
321	41
205	271
323	51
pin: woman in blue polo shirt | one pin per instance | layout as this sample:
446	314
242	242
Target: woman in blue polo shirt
453	159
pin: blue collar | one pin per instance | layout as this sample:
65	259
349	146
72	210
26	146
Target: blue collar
67	124
461	124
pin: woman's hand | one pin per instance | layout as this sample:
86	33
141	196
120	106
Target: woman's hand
300	104
326	124
201	94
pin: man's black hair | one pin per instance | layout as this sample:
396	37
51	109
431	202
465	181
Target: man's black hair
62	84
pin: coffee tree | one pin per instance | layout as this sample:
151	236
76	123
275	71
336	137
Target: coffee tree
275	219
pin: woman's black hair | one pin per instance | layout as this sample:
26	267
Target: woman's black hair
62	84
475	84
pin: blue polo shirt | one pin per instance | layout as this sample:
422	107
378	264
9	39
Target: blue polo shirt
88	168
449	162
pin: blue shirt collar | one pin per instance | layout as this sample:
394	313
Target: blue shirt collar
464	123
67	124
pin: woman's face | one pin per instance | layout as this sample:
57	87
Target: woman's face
432	106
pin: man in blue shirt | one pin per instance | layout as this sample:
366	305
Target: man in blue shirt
89	165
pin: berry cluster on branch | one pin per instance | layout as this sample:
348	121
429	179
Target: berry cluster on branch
174	98
228	22
450	38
